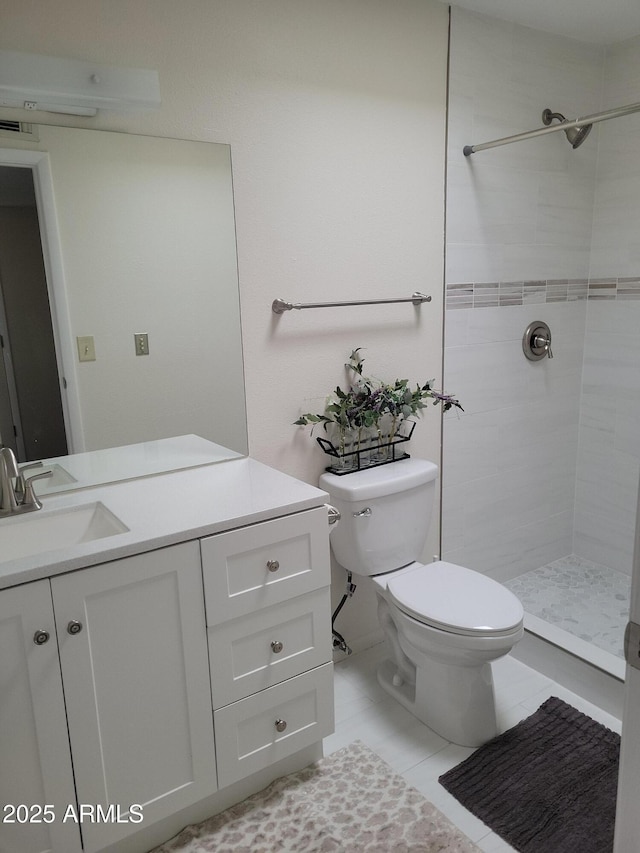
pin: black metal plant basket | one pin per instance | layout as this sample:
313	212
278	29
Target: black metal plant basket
368	451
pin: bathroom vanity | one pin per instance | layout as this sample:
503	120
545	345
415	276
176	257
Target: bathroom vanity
171	656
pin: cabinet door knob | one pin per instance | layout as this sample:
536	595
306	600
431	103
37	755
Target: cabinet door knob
281	725
277	647
273	565
40	637
74	627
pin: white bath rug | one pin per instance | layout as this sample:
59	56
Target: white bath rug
350	802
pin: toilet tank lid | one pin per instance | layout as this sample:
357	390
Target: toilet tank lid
383	480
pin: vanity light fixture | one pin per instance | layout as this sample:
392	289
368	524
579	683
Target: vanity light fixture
33	82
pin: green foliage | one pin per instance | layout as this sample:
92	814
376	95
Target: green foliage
369	400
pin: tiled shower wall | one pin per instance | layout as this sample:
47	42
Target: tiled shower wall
543	461
608	465
608	458
509	462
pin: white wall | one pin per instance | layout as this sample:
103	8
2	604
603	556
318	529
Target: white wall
335	112
148	245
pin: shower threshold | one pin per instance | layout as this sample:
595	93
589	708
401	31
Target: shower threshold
582	668
599	658
575	615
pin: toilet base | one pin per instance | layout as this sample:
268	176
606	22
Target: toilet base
455	702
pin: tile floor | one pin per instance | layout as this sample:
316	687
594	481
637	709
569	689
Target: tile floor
365	712
584	598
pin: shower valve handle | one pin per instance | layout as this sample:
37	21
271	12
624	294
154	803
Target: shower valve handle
536	341
543	343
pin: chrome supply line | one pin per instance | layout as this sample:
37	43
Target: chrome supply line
565	125
279	306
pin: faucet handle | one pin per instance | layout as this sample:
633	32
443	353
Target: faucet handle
29	497
20	482
26	467
542	342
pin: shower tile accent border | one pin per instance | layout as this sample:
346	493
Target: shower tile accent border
495	294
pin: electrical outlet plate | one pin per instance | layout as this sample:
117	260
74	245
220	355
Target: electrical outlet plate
86	348
142	343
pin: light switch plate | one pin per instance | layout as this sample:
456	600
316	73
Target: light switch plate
86	348
142	343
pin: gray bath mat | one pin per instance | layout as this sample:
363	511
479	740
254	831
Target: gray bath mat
548	785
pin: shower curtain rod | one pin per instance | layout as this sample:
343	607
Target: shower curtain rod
565	125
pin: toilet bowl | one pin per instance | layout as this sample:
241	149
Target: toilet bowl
443	624
450	622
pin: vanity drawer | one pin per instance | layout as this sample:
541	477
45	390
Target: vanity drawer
257	731
264	648
264	564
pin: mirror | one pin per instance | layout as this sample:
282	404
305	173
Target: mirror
139	253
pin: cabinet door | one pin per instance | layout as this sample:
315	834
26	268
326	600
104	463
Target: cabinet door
35	762
134	664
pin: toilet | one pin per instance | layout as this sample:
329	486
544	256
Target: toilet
443	624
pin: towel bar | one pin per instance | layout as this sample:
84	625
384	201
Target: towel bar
279	306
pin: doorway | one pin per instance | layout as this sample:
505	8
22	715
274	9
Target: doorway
31	409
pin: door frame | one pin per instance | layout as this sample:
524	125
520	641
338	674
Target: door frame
627	829
10	423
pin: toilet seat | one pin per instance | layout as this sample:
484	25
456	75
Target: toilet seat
455	599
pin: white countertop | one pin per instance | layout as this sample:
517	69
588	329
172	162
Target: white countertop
115	464
166	509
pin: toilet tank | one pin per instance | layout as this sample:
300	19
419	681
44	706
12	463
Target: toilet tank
386	512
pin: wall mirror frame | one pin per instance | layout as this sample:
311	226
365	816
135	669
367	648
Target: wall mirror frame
138	237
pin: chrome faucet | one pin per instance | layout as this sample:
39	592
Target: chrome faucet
8	470
17	496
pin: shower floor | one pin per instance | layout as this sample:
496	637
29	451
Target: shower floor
586	599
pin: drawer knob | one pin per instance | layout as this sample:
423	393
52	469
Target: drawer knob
281	725
273	565
276	647
74	627
40	637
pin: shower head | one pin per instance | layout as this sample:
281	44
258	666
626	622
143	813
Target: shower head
575	135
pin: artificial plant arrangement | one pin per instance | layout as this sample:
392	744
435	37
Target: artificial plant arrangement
372	416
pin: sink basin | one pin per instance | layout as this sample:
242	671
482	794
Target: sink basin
42	530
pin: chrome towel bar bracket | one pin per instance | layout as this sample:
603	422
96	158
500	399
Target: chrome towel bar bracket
279	306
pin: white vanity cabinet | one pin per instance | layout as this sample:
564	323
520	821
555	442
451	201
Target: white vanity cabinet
133	655
176	668
269	628
36	779
134	666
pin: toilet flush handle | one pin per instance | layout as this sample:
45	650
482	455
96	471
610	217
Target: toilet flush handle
364	513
